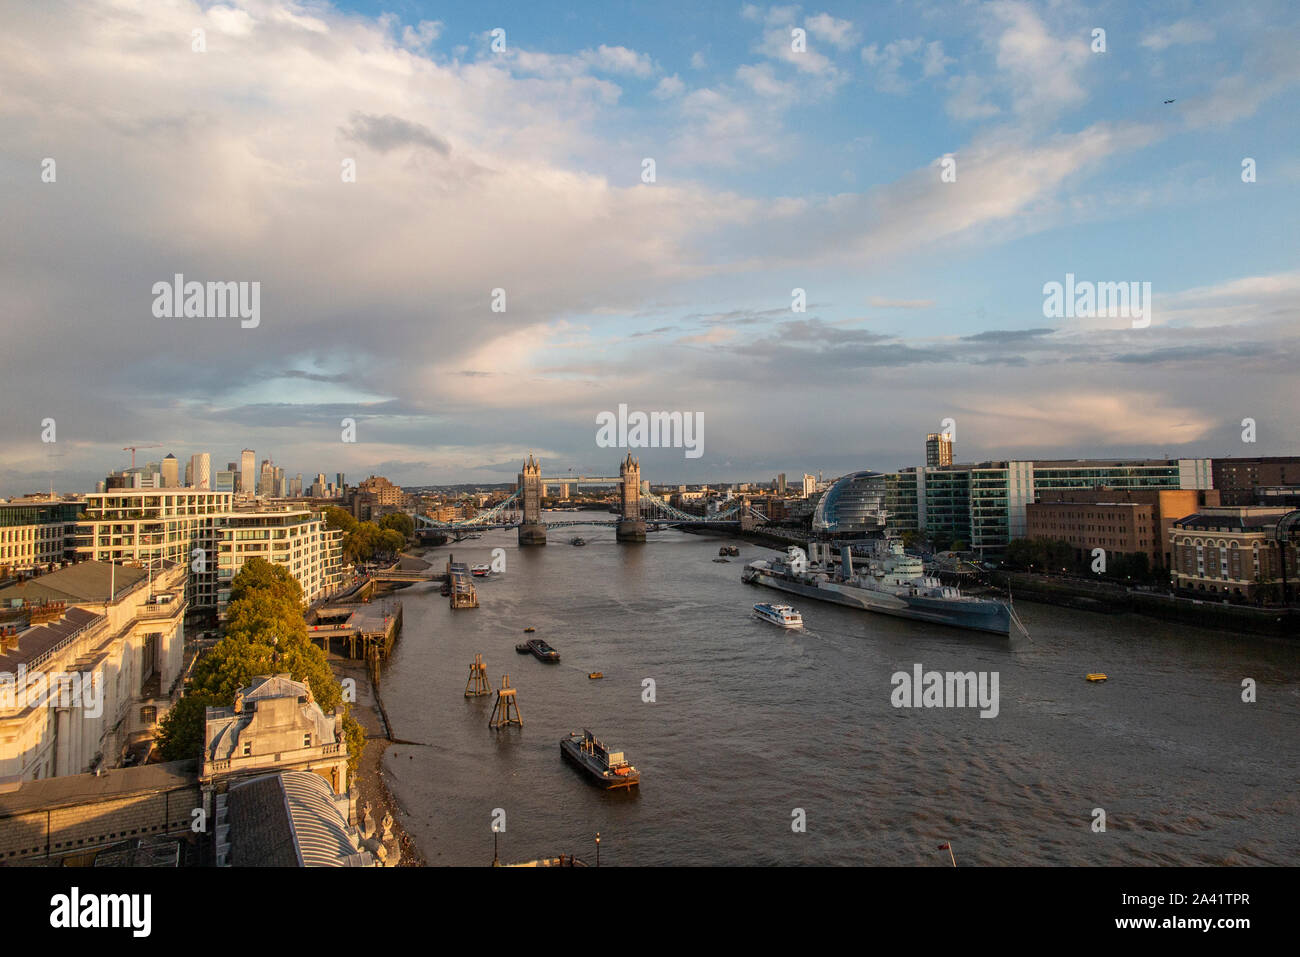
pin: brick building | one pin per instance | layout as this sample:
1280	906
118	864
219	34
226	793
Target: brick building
1122	521
1233	552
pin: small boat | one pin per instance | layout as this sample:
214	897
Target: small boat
729	550
609	769
529	630
523	649
596	674
782	615
1095	676
542	651
480	571
578	541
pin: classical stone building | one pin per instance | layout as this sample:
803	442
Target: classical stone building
274	724
90	659
1233	553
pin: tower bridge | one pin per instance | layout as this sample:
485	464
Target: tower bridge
638	511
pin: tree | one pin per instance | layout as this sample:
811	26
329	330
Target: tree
180	732
337	518
265	634
399	522
262	576
391	542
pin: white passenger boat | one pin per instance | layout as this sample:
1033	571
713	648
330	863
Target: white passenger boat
782	615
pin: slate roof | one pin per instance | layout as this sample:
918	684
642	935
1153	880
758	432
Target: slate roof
83	582
289	820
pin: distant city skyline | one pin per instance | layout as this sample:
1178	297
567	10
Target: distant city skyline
463	252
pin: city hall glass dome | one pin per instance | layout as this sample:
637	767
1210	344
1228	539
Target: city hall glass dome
854	504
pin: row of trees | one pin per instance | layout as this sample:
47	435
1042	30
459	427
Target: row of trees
368	541
264	634
1046	554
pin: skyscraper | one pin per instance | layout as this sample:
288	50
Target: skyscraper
201	470
938	449
248	472
170	472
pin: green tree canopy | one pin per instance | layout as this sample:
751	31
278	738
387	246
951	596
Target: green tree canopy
399	522
259	575
336	518
265	634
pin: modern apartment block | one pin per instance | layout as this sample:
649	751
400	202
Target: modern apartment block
189	526
91	657
294	538
34	535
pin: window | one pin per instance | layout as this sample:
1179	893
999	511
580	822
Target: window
306	740
248	747
148	715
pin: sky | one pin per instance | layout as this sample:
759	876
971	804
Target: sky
921	171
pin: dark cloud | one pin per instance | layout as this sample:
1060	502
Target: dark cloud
1008	335
388	132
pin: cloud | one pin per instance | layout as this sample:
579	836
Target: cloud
879	303
838	33
1173	34
668	88
385	133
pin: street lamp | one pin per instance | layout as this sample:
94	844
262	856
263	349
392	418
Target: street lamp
598	848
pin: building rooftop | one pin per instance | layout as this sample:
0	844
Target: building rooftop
72	789
83	582
290	820
1246	518
35	642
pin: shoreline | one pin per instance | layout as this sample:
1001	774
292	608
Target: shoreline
369	777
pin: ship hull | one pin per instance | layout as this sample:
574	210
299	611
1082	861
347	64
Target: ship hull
573	754
991	617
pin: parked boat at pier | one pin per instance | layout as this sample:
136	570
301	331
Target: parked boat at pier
609	769
887	580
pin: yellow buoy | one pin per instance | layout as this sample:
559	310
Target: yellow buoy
596	674
1095	676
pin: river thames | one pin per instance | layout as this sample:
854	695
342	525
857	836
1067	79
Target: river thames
751	722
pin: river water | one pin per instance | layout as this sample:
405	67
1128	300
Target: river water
750	722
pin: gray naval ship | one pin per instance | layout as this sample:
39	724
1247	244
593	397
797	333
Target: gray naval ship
885	580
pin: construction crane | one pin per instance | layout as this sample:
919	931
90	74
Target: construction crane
132	448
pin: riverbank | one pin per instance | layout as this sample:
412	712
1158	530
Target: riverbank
1114	599
369	713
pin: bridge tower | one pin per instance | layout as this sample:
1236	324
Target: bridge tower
746	517
532	531
630	528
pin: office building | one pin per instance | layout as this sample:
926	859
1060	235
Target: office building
984	504
248	472
225	481
35	535
938	450
1239	480
1120	521
201	471
170	472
